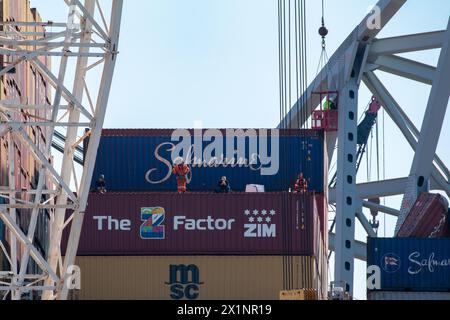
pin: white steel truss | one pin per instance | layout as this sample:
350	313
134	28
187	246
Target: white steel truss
357	59
88	44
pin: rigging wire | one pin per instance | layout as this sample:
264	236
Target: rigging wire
292	84
280	63
384	161
297	59
378	149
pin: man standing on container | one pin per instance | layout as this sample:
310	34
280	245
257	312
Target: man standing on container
224	186
101	184
181	170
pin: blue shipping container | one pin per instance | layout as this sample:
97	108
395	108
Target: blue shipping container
411	264
140	160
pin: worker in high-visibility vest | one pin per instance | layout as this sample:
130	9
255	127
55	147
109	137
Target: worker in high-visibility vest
329	105
181	170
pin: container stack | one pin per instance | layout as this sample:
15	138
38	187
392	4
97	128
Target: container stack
416	264
24	85
429	217
408	269
142	240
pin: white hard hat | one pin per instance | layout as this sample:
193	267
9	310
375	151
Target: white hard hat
178	160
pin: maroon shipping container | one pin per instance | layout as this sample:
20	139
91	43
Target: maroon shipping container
322	209
200	224
427	218
193	132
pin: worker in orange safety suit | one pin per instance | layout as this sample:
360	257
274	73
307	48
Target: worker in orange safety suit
181	170
301	185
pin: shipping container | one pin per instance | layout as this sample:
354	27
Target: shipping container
418	296
193	277
141	160
322	209
200	223
21	87
427	218
410	264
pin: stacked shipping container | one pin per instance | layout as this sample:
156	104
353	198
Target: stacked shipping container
417	296
200	223
429	217
205	231
25	86
418	266
141	240
192	277
140	160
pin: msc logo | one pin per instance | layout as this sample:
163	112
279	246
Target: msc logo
184	282
260	224
152	227
390	262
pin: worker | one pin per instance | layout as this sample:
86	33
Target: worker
181	170
301	185
329	105
101	184
224	185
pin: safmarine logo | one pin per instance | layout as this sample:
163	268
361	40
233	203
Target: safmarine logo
260	224
211	148
184	282
390	262
152	227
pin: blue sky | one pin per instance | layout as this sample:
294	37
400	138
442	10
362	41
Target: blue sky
216	61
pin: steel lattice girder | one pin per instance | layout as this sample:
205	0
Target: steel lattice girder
75	44
381	56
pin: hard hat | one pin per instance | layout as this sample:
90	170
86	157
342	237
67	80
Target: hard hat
178	161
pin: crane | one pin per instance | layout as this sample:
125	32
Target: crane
86	42
356	61
365	128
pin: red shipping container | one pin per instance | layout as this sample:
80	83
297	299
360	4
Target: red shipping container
428	217
200	224
322	209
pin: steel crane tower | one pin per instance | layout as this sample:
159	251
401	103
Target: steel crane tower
356	60
86	48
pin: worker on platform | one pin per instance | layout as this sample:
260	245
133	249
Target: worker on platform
301	185
224	185
329	104
181	170
101	184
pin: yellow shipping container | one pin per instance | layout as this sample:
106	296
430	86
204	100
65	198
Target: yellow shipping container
196	277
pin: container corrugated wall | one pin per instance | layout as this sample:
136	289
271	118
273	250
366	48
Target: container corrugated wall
201	223
428	217
26	84
140	160
418	296
408	264
201	277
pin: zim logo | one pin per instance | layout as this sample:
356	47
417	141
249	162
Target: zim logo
152	227
184	282
260	224
390	262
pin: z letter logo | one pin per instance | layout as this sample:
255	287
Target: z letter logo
152	227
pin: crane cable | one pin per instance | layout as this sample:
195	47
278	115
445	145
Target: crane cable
294	10
283	94
323	60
